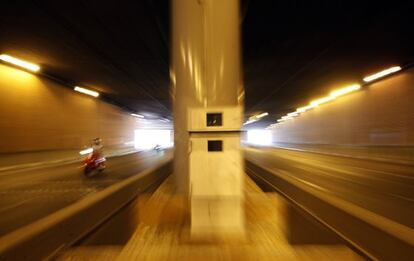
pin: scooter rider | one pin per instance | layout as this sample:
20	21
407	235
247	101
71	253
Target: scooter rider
97	147
95	160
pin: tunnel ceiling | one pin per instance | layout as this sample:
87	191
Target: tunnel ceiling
293	51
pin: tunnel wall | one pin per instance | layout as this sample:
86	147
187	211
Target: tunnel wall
39	114
382	114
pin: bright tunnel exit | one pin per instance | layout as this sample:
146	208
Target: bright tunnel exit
146	139
259	137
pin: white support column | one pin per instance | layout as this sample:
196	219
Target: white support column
208	98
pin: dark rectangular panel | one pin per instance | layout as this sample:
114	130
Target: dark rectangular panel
214	119
215	145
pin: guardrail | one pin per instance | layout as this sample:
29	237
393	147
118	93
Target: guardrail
45	237
373	235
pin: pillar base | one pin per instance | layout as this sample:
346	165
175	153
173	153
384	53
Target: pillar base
217	219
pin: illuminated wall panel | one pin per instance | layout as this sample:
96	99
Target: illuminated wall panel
38	114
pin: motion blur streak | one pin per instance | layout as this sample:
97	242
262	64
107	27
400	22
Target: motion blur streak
382	74
261	115
26	65
292	114
305	108
345	90
86	91
137	115
256	118
322	100
248	122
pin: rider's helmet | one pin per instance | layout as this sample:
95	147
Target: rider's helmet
97	141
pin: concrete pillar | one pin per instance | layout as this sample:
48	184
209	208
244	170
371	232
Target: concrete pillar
208	101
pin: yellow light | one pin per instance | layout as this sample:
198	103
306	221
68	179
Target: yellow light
257	117
137	115
322	100
286	118
249	121
26	65
293	114
86	91
305	108
262	115
280	120
345	90
382	73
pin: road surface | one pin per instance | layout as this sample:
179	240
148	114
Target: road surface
386	189
28	195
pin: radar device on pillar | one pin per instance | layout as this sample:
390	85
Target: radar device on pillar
208	109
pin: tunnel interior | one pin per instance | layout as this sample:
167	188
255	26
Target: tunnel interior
280	129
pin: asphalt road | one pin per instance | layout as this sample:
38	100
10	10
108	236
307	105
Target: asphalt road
28	195
384	188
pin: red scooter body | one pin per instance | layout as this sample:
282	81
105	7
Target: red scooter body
93	163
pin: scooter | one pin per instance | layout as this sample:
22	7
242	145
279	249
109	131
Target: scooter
93	164
158	149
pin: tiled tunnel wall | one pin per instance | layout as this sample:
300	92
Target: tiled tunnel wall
382	114
37	114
